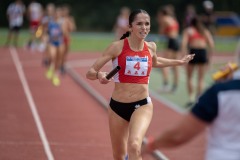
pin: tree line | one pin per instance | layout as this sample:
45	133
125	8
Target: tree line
95	15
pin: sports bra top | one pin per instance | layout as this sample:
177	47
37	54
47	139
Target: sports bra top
172	27
54	31
193	34
135	65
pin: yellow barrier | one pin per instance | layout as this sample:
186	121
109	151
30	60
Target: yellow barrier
228	31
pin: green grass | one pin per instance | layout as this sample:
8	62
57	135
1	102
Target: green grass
80	41
180	97
97	42
224	45
93	42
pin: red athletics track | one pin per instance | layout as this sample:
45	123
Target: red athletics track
73	122
163	115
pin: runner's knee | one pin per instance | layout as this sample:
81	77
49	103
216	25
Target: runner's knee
134	147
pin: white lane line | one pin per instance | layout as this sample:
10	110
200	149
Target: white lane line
32	105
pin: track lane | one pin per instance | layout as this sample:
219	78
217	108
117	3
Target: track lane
75	125
163	117
18	134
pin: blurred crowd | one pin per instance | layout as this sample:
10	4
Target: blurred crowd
51	26
50	33
197	38
50	30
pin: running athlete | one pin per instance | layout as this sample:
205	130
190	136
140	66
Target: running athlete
55	47
168	26
131	108
15	13
68	25
218	110
35	15
48	16
199	41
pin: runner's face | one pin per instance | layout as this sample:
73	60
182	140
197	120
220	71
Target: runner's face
50	10
59	12
65	11
141	25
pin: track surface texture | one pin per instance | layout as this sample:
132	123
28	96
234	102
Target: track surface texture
42	122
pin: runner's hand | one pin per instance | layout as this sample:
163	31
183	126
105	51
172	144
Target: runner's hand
102	78
187	58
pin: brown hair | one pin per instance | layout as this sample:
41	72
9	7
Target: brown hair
132	17
197	23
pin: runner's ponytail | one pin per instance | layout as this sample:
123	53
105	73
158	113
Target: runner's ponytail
125	35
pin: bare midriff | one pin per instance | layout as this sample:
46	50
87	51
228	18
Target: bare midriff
130	92
198	43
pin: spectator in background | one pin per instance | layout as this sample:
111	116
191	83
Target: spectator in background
168	25
218	109
208	16
15	13
35	15
121	25
196	39
189	15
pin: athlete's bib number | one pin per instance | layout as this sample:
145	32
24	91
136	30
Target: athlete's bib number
136	66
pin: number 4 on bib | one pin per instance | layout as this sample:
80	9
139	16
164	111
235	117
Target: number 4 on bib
137	66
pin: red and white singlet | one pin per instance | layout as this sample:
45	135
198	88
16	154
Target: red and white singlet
135	66
193	34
